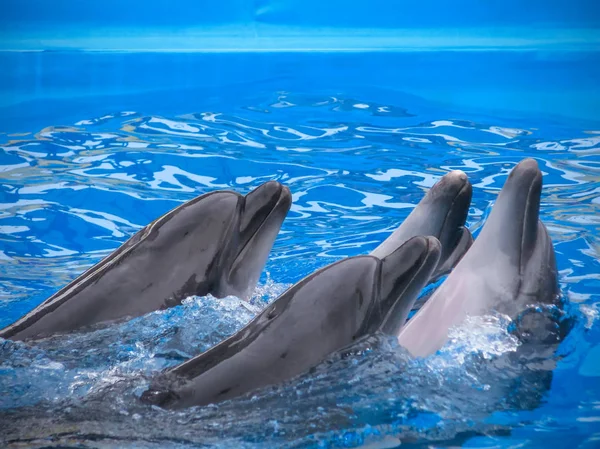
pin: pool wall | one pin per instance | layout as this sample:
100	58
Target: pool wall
264	25
506	57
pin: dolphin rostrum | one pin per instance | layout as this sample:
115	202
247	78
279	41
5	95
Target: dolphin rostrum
216	243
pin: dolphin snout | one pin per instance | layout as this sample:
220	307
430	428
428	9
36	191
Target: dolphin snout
522	189
451	184
525	174
285	197
528	165
451	195
262	201
432	252
433	246
265	193
420	248
403	274
271	187
458	177
449	201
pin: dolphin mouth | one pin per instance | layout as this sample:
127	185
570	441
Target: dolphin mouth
512	226
258	236
429	258
463	192
282	199
422	266
457	211
528	177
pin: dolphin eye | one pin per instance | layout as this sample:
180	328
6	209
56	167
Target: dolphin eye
272	313
159	397
224	391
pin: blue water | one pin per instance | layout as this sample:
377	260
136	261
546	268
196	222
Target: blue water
95	146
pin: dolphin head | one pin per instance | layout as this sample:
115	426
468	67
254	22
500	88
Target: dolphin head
261	213
515	232
215	243
446	207
441	213
512	227
403	274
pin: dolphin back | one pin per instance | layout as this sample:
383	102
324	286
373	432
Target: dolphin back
160	265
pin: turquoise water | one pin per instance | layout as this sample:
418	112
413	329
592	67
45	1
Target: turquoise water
95	146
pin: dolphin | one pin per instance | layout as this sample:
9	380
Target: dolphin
441	213
323	313
216	243
510	267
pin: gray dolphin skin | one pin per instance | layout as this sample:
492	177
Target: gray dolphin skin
510	267
441	213
323	313
217	243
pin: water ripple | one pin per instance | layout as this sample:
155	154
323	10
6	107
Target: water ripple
71	193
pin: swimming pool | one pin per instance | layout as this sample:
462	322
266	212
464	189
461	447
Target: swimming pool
94	145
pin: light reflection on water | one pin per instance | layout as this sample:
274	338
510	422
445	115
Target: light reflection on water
70	194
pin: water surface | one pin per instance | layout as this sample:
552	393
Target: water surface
88	160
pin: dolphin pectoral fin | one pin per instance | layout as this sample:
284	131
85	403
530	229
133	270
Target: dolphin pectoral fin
464	243
404	273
